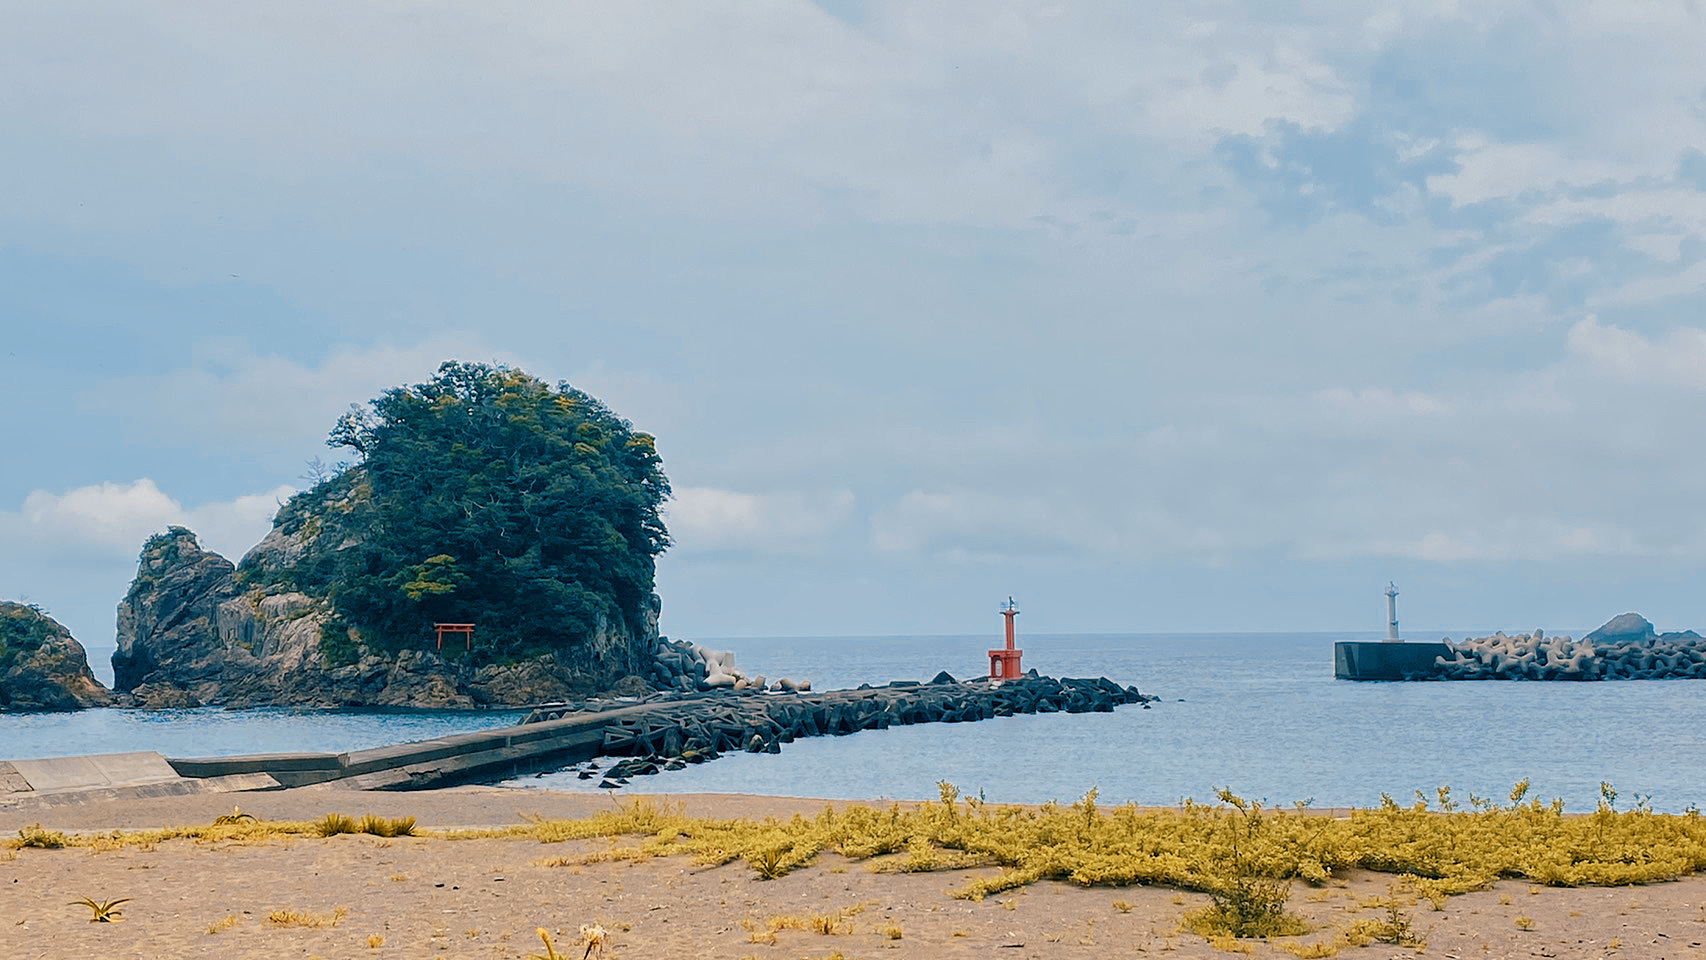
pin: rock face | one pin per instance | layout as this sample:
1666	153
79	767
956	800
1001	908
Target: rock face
42	667
191	631
167	635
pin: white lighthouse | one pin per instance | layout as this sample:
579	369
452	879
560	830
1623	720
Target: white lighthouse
1392	612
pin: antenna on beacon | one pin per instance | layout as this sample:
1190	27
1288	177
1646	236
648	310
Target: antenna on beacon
1004	663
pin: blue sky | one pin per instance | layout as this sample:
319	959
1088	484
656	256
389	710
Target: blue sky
1160	317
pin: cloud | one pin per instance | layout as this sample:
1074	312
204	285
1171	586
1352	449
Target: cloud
1375	404
1678	359
705	519
1520	539
987	526
231	395
115	518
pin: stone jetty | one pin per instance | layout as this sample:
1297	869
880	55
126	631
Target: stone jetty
648	734
698	728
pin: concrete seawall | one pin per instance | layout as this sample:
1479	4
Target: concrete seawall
652	734
1353	660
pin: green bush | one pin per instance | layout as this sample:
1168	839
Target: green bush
487	496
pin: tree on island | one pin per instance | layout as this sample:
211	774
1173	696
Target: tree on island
483	495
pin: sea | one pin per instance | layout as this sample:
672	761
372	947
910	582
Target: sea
1257	713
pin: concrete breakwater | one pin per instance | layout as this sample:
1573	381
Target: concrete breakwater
1625	648
1539	657
650	734
682	732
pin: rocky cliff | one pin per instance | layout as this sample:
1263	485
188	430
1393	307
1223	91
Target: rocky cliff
193	630
42	667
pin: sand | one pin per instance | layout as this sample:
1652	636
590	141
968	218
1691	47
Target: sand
428	897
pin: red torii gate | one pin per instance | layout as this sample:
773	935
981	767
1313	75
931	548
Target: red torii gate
466	629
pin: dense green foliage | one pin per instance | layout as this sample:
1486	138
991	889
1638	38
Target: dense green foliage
24	627
487	496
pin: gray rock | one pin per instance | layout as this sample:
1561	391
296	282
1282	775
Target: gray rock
1623	628
167	622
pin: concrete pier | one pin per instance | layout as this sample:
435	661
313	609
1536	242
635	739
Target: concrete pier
1353	660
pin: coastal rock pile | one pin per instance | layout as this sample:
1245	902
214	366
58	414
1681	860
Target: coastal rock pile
685	667
42	667
696	728
1625	648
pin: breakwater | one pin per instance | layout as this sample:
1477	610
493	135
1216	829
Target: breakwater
1625	648
682	732
649	734
1539	657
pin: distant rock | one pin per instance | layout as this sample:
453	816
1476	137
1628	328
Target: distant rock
1623	628
168	621
42	667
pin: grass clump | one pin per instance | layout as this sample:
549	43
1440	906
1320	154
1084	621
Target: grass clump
35	835
302	918
333	824
387	827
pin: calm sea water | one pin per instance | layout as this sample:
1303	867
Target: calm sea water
1259	713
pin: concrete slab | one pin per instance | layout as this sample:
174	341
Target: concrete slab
102	770
176	787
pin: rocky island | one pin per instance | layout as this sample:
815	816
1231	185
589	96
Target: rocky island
41	666
482	496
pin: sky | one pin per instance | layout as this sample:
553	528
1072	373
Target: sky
1160	317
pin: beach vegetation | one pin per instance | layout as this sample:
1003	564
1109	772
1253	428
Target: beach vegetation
333	824
551	952
35	835
304	918
223	924
105	911
235	816
485	496
375	941
1190	848
386	826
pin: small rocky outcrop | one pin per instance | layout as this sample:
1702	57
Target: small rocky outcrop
42	667
167	622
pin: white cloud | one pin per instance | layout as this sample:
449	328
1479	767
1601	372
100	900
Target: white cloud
1526	539
1678	359
1491	170
117	517
231	395
984	525
710	519
1375	404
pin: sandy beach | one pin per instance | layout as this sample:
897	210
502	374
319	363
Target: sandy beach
363	896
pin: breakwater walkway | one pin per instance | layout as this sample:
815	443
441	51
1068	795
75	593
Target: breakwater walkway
655	733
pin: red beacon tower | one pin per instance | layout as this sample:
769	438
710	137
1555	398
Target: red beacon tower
1004	664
